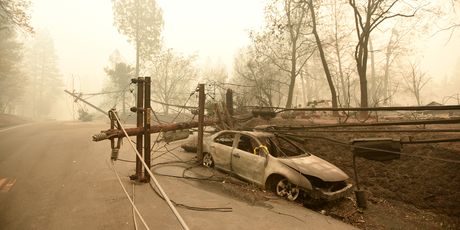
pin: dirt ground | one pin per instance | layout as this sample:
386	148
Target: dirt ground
406	193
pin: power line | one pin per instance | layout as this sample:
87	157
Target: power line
233	84
193	208
127	195
134	216
166	198
173	105
102	93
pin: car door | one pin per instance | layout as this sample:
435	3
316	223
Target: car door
221	150
245	163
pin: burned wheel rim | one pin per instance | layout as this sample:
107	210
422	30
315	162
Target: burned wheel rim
207	160
284	188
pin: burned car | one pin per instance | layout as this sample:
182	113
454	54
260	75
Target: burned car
275	163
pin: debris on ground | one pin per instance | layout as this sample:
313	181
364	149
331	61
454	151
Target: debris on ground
408	193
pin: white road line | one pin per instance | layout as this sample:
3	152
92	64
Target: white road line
15	127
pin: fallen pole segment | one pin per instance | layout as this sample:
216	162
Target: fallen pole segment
381	131
390	108
117	133
77	97
272	128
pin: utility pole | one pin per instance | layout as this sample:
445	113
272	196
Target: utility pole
201	102
147	119
139	124
144	128
229	101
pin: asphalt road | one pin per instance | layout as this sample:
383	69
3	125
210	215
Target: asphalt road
52	176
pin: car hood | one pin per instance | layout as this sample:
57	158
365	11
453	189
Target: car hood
315	166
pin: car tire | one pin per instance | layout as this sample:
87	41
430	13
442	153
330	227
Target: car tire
208	161
284	188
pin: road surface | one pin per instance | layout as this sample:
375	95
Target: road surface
52	176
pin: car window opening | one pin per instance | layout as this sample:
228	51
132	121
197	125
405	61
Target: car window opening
282	147
247	144
225	139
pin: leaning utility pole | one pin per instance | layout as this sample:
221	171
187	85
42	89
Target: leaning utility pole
77	97
201	102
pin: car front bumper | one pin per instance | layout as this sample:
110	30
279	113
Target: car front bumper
318	193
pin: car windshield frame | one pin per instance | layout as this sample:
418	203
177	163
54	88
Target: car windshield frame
274	144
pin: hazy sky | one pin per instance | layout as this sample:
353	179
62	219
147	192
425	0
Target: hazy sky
84	34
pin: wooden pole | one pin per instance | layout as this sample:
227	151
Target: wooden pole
229	101
139	124
201	102
147	114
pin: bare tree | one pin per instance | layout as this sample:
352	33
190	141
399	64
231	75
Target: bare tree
452	24
415	80
285	42
396	46
338	50
14	12
319	46
259	76
215	73
172	75
313	83
368	16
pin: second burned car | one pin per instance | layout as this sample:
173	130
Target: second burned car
275	163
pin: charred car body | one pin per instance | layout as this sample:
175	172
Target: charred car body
275	163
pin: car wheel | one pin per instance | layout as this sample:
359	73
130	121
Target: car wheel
208	161
284	188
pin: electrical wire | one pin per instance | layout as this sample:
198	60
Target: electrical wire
173	105
171	206
177	157
129	161
183	176
182	108
125	89
156	117
155	142
167	151
193	208
127	195
100	93
134	216
219	84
